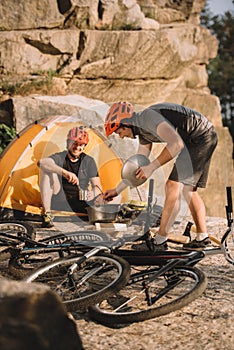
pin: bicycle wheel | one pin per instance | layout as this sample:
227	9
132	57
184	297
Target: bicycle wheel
228	243
14	230
166	293
92	280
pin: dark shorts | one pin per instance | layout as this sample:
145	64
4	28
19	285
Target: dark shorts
68	203
193	163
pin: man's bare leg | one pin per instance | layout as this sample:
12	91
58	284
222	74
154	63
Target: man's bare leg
197	209
171	207
49	185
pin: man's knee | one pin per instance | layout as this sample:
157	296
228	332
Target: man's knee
172	186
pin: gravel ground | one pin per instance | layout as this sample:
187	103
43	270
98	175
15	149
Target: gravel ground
205	324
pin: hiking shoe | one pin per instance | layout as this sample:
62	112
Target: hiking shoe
194	244
140	246
159	247
152	246
47	220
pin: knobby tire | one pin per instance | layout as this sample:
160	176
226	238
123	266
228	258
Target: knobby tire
79	236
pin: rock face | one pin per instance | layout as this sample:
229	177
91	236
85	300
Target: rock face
143	51
33	317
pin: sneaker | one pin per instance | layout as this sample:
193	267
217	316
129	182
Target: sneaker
159	247
140	246
153	246
47	220
194	244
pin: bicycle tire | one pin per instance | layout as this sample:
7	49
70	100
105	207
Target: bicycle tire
135	312
89	287
16	229
79	236
228	245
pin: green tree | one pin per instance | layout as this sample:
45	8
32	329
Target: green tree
7	133
221	69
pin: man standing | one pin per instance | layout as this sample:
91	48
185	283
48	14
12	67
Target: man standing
189	138
65	175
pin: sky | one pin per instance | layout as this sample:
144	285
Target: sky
220	6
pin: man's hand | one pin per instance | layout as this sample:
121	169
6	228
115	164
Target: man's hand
108	195
71	177
98	200
144	172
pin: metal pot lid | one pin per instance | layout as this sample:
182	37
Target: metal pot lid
129	169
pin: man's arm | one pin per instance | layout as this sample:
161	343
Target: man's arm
96	185
48	165
174	145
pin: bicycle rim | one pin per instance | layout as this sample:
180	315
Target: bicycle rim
177	288
92	281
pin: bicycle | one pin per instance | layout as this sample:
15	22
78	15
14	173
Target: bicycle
105	273
166	266
95	272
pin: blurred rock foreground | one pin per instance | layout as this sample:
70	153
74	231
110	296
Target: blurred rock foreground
60	57
26	323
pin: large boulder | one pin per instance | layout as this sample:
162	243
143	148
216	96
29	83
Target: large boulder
33	317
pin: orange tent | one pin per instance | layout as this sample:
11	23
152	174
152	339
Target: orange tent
19	173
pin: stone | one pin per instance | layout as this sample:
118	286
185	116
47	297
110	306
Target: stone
16	15
33	317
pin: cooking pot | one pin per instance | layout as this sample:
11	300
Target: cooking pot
103	213
129	168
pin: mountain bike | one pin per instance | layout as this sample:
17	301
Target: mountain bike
85	278
88	269
170	267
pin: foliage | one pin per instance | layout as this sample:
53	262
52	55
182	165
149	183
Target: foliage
7	133
32	86
221	69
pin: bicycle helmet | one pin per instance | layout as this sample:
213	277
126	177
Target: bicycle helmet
78	134
118	114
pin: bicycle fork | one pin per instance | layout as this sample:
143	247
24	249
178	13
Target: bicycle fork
79	262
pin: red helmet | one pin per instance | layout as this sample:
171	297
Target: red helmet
118	114
78	134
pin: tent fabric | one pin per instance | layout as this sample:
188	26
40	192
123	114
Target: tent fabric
19	173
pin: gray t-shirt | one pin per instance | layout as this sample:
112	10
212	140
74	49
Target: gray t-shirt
189	123
85	168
